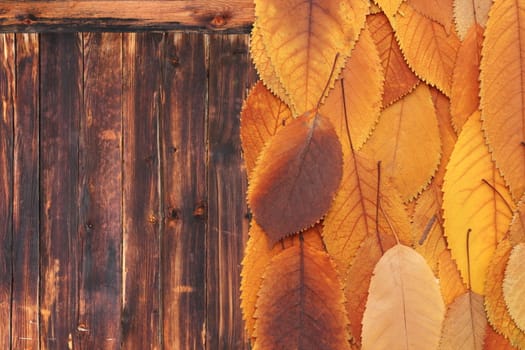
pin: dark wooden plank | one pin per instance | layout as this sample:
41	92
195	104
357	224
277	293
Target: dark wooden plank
142	213
231	74
49	15
25	333
184	194
7	80
60	105
100	275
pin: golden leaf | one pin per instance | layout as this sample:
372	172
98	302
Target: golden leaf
302	39
465	323
517	225
362	83
406	141
404	308
470	12
496	341
502	90
399	79
449	278
389	7
437	10
513	285
301	303
428	49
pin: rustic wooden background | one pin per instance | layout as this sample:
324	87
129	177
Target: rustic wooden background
122	187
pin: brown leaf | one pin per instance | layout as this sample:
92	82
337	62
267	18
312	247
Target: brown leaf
496	341
437	10
470	12
301	303
399	79
502	90
296	176
513	290
517	225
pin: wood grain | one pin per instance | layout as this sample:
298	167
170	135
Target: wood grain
142	60
184	191
26	223
60	109
100	229
231	75
48	15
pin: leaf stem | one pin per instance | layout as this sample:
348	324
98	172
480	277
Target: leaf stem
328	81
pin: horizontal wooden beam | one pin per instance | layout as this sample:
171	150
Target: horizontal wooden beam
234	16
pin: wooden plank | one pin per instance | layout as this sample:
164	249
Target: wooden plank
100	229
142	213
60	105
25	333
7	79
231	74
49	15
184	195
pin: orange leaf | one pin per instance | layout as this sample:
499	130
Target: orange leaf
470	12
362	81
437	10
428	49
449	278
465	323
517	225
502	90
404	308
389	7
513	290
262	115
301	303
399	79
464	95
496	341
406	141
302	38
296	176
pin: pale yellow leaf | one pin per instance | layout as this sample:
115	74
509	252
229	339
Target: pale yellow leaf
470	12
514	285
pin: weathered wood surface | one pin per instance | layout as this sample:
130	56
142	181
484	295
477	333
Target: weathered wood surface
122	190
131	15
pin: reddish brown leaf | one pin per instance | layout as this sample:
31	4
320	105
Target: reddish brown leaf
296	177
496	341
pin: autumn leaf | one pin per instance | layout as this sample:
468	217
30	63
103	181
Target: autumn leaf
389	7
465	323
502	90
301	303
296	176
517	225
436	10
496	341
513	285
357	111
449	278
470	12
406	141
262	115
428	49
404	308
399	79
302	39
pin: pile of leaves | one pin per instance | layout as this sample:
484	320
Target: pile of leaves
385	150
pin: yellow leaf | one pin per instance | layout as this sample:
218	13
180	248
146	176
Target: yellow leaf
502	90
389	7
449	278
362	82
470	203
404	308
513	285
465	323
437	10
406	141
301	303
428	49
302	39
470	12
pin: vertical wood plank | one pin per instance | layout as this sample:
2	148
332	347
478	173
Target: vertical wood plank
231	74
60	102
184	159
141	211
25	334
7	80
100	215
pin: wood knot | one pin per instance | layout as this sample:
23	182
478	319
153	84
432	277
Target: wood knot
218	21
152	219
200	210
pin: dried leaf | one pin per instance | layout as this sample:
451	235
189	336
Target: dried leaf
437	10
496	341
296	176
513	290
302	38
262	115
465	323
389	7
464	95
449	278
404	308
470	12
399	79
406	141
517	225
301	303
502	90
362	82
428	49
